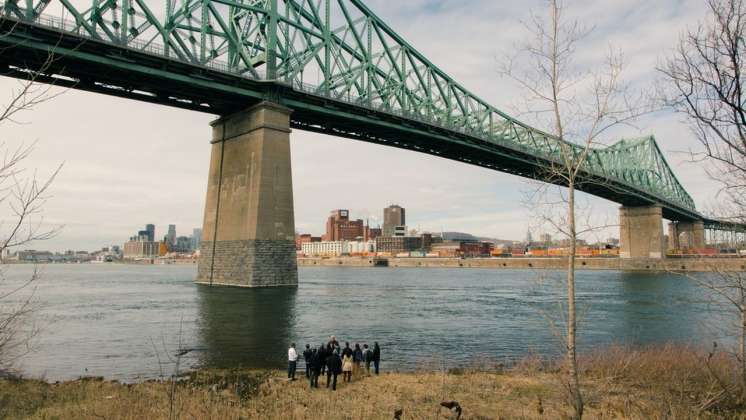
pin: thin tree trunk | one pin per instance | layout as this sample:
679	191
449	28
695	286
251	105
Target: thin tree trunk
742	345
571	321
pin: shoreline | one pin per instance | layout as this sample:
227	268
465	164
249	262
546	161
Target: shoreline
618	382
693	264
537	263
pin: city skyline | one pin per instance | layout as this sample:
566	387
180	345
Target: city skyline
124	174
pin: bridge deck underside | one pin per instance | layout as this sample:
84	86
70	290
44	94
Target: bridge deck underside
103	68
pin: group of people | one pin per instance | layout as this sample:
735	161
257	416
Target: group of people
332	360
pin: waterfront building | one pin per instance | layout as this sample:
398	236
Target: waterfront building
399	231
32	256
324	248
447	249
137	248
393	216
337	248
398	244
469	249
305	238
361	247
339	227
476	249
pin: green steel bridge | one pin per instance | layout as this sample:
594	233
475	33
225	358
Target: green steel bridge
340	68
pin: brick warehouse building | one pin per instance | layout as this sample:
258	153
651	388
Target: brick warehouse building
339	227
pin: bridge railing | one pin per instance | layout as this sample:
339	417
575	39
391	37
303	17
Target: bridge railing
153	48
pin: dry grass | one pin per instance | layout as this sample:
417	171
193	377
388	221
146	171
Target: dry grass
654	383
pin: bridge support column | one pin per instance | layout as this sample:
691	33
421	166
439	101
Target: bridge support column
694	235
673	236
641	232
249	229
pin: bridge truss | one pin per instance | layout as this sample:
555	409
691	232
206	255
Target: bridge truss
342	69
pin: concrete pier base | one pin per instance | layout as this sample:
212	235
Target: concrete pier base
249	230
641	232
691	235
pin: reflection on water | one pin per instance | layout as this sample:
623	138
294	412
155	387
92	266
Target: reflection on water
650	306
244	327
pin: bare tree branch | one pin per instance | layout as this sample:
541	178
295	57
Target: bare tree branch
578	106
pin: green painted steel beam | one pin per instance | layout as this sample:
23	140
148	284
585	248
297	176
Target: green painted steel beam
337	51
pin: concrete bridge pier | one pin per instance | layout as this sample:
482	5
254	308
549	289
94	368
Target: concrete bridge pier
686	235
673	236
641	232
249	229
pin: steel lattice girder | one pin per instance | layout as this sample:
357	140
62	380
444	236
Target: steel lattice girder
340	51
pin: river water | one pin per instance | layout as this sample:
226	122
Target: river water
126	322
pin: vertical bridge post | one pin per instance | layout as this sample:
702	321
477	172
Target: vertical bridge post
641	232
249	229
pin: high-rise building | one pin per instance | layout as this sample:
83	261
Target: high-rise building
339	227
171	237
393	216
196	238
183	244
150	229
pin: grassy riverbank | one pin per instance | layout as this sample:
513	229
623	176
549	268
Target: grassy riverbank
653	383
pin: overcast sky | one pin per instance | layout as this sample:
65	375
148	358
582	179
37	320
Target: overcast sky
128	163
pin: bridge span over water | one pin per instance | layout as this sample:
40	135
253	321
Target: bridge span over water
328	66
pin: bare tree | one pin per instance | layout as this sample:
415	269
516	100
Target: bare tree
706	80
23	194
578	106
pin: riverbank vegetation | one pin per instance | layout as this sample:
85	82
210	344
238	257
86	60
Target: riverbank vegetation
650	383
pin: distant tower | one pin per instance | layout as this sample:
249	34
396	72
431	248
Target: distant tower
529	238
150	228
393	216
196	238
171	237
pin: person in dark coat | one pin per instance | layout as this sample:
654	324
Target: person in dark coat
307	353
357	357
376	356
334	368
322	358
315	368
347	351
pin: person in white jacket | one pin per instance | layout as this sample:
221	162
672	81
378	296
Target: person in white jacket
292	361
